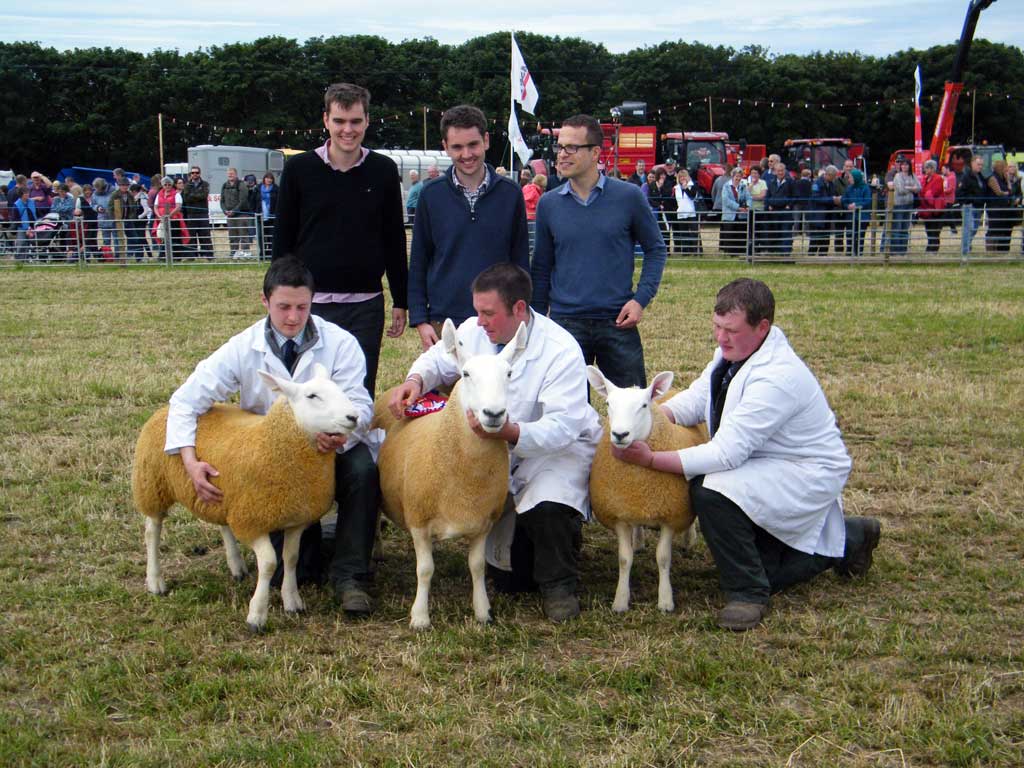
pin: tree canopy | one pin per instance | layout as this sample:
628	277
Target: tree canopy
98	106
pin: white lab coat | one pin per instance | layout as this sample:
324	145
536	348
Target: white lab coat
233	368
778	453
558	429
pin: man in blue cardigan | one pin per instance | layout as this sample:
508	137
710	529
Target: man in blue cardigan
583	257
466	221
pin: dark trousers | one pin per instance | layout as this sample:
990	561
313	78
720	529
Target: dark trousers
357	491
618	352
365	321
933	228
198	222
688	237
779	232
752	564
545	551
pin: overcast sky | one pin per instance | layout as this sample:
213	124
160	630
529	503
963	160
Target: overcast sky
784	26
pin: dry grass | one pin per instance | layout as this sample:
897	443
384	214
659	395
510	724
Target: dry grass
920	664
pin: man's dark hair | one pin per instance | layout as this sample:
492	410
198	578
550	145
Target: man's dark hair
345	95
289	272
463	116
594	133
511	282
753	297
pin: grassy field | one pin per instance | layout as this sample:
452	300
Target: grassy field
920	664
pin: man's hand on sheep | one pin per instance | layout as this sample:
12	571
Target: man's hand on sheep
509	432
404	395
630	314
640	453
329	441
200	472
398	319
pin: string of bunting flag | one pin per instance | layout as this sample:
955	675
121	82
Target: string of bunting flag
759	101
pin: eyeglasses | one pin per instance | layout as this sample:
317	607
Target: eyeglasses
571	149
194	173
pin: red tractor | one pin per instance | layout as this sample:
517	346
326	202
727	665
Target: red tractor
704	154
819	153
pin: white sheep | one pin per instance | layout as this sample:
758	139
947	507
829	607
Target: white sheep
271	474
438	479
625	495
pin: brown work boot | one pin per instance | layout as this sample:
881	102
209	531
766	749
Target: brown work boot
858	562
354	601
740	616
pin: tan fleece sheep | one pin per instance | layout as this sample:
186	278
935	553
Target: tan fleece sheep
439	480
271	474
624	495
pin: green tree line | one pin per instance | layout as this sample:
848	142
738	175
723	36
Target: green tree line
98	106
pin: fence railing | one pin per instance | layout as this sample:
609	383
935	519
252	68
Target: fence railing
166	240
884	235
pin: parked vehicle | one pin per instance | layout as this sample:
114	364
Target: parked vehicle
819	153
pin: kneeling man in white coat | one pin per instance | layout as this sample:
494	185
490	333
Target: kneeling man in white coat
767	488
551	431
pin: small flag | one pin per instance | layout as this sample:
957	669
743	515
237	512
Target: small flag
516	139
524	90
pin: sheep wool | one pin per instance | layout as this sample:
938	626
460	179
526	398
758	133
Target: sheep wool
259	495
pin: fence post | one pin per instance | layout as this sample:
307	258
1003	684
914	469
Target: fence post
260	242
966	231
750	235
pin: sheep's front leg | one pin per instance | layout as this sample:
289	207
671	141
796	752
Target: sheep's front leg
154	580
235	562
625	535
290	585
266	562
481	605
420	615
664	557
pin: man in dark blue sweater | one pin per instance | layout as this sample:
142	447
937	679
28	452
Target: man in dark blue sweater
339	211
583	258
466	220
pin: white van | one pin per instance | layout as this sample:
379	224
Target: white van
214	162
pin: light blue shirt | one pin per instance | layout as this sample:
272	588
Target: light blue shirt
566	189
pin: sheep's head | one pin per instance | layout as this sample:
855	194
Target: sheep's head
629	408
318	405
483	388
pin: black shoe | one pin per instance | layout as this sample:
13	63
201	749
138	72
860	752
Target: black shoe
354	601
561	605
858	562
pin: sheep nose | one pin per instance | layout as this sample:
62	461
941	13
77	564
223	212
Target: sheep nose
620	436
494	414
351	420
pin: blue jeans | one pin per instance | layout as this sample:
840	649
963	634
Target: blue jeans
618	352
900	227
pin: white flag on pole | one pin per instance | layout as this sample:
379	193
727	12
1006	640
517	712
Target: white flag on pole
917	85
516	139
523	88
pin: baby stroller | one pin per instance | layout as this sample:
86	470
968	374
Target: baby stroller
47	236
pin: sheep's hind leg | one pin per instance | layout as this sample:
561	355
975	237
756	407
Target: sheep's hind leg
420	614
664	558
235	562
266	562
154	579
290	585
481	605
624	533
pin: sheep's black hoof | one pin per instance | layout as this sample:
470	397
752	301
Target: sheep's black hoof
240	577
256	629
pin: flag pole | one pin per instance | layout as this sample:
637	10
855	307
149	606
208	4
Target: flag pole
511	98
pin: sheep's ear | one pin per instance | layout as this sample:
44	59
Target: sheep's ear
276	384
660	384
597	380
450	341
320	372
515	347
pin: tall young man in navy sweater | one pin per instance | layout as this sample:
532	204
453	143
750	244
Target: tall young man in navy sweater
465	221
583	257
339	211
